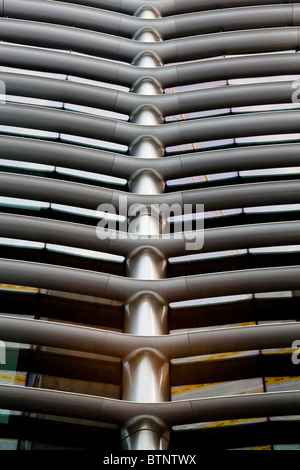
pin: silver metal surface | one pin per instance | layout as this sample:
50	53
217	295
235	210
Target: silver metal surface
125	166
147	35
146	182
155	101
145	433
146	263
109	286
145	439
174	75
147	59
174	346
145	223
109	410
172	134
177	25
170	7
147	115
223	238
88	196
145	371
145	377
148	47
98	44
147	86
147	12
146	147
146	314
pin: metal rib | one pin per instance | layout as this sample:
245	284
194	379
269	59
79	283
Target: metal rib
82	195
126	103
126	75
179	345
83	236
174	133
170	7
174	50
171	289
169	27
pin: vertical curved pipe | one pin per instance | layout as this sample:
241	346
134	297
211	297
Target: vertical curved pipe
145	371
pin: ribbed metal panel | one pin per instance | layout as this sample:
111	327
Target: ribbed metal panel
160	103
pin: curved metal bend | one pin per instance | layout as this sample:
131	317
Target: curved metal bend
126	75
171	289
173	50
172	413
179	345
126	103
124	166
170	7
174	133
276	32
170	27
83	236
90	197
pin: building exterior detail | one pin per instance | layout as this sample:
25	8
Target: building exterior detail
149	224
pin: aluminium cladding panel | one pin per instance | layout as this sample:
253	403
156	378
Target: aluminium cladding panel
237	159
124	102
126	75
169	27
263	65
177	345
69	64
170	289
82	236
172	413
87	339
124	166
80	16
174	50
66	155
174	133
90	197
173	7
274	39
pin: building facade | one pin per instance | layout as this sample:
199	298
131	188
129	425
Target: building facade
149	224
